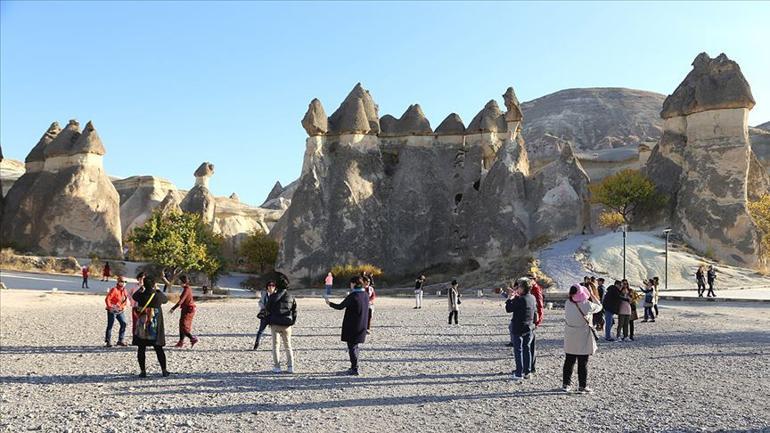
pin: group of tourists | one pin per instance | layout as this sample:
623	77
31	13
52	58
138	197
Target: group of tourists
702	275
85	272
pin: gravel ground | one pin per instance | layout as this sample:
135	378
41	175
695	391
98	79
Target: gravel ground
701	367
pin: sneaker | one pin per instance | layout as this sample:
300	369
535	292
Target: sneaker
166	373
121	343
631	338
653	320
623	340
142	373
107	344
193	342
609	339
256	346
179	343
508	344
414	308
516	378
566	388
528	376
353	371
290	370
645	320
585	390
368	332
276	369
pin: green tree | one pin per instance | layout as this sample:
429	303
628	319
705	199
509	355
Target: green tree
760	213
180	242
629	193
260	251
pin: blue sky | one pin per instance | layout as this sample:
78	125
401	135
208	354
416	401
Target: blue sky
169	85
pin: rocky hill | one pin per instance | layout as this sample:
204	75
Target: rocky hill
592	119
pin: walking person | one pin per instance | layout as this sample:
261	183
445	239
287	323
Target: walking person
579	337
711	276
106	272
282	315
149	330
648	291
524	309
418	292
84	271
700	279
187	304
328	284
369	289
537	292
356	306
134	310
262	315
115	301
453	297
611	305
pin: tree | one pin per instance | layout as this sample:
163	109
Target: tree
259	250
629	193
180	242
760	213
611	220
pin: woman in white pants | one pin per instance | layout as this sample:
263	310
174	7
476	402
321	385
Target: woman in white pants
418	292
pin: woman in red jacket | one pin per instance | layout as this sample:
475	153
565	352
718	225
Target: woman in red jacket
115	302
187	304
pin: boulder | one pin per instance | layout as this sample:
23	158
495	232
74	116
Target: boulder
489	119
388	125
199	199
315	121
280	197
451	125
512	106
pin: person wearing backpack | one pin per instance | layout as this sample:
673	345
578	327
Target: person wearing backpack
281	316
149	329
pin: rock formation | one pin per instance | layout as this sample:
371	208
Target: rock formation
315	122
357	114
235	221
199	199
65	204
704	161
760	143
139	196
280	197
408	199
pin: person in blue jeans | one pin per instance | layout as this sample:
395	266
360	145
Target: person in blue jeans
611	304
524	309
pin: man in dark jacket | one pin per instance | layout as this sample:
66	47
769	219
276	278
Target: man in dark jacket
356	306
281	315
524	309
611	304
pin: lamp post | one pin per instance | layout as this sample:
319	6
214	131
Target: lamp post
667	232
625	228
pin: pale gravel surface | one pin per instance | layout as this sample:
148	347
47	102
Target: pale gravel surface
701	367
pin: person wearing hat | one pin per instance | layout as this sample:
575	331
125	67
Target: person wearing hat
115	301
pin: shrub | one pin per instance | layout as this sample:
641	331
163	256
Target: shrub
259	251
344	272
760	213
611	220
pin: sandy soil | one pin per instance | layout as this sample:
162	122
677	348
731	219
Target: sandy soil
701	367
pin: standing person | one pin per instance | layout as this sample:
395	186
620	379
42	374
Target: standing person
648	297
700	278
624	311
165	275
524	309
655	294
328	284
106	272
356	306
598	319
262	315
634	298
84	271
418	292
579	340
282	315
134	310
453	297
511	292
611	304
187	304
711	276
149	329
369	289
537	292
115	301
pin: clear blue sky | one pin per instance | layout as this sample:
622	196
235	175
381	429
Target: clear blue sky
171	84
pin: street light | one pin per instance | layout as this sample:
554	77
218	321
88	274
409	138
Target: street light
625	228
667	232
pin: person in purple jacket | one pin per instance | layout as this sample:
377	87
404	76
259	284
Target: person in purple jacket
356	306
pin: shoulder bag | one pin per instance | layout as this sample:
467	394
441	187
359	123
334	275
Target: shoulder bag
593	331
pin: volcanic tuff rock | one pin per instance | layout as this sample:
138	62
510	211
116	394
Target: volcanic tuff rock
452	124
704	161
315	121
413	121
591	119
512	106
139	196
67	205
357	114
409	202
199	199
760	143
280	197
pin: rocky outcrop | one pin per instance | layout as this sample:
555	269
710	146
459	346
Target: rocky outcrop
199	199
315	121
235	221
280	196
760	144
358	114
65	204
139	196
704	161
409	200
413	122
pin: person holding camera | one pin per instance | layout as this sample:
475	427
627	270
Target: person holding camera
282	315
149	330
356	306
524	309
262	315
579	336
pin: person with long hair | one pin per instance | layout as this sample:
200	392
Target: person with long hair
149	329
187	304
579	339
370	292
116	301
700	279
262	315
356	306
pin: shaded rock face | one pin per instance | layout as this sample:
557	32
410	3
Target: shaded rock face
139	196
357	114
67	205
199	199
409	202
760	144
235	221
591	119
704	161
451	125
315	122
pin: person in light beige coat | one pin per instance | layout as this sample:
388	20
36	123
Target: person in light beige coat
579	341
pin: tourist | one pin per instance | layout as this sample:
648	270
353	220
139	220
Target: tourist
149	329
106	273
328	284
537	292
510	292
418	292
262	315
633	299
369	289
579	338
611	305
139	285
624	311
655	294
115	302
453	298
356	306
524	309
598	318
187	304
700	278
84	271
281	315
649	294
166	276
711	276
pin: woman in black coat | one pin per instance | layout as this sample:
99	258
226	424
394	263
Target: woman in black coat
149	329
356	306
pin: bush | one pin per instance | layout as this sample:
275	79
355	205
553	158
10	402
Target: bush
259	251
344	272
611	220
760	213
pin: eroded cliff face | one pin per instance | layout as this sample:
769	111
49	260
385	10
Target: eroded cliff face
705	163
409	198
